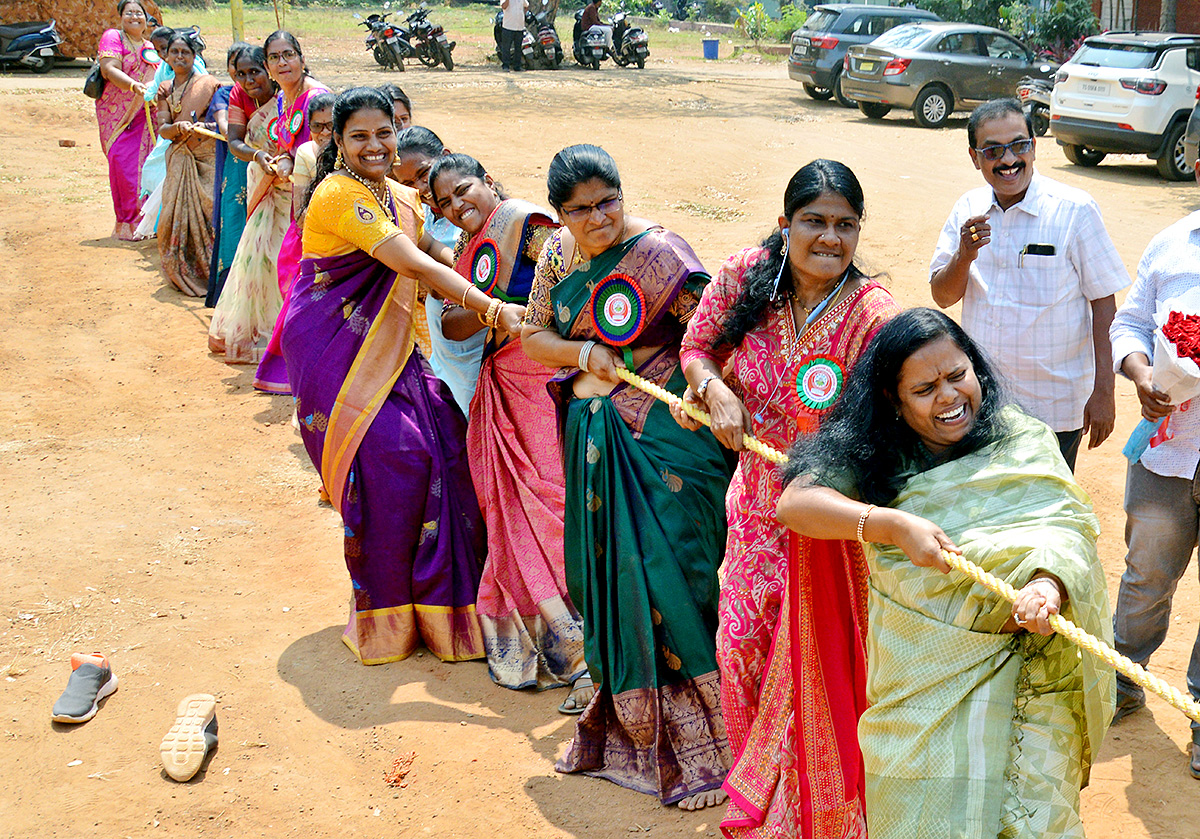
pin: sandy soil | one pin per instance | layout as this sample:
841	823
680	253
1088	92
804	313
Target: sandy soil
158	509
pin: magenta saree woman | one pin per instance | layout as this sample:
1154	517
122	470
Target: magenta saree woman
127	61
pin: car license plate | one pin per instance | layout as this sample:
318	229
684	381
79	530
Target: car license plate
799	49
1093	87
866	66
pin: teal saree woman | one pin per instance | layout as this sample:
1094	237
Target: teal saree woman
645	520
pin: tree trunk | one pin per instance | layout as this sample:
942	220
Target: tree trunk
1166	21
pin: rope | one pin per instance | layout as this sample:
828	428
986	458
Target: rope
1080	637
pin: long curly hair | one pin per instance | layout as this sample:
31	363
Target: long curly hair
864	441
758	289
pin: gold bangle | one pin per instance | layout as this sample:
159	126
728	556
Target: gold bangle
466	291
493	313
862	521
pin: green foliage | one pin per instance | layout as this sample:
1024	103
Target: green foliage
1065	22
753	21
985	12
781	30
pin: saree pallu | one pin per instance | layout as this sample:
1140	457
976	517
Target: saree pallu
185	237
229	219
250	303
531	631
644	528
388	441
972	732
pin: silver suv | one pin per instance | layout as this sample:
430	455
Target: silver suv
1128	93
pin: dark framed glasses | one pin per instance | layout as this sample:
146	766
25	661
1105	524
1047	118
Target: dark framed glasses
1019	147
287	55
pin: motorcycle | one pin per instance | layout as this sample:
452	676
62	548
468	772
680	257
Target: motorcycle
429	40
540	46
33	45
387	44
630	44
1035	101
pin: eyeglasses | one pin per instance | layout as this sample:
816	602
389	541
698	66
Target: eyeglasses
1019	147
287	55
321	126
605	207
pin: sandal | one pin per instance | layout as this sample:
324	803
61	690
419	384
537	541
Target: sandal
571	705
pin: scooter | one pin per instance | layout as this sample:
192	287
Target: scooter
547	46
385	42
33	45
428	40
1035	101
631	43
528	57
588	47
540	46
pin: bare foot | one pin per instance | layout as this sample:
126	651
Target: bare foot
582	691
703	799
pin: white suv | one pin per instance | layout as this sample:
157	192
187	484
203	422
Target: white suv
1128	93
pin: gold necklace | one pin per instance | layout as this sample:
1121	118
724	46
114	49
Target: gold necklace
177	105
379	196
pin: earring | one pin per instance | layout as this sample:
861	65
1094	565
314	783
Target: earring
339	163
783	252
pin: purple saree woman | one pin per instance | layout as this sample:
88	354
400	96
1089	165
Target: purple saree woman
384	433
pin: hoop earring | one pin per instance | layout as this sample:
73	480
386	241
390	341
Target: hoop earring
338	163
783	252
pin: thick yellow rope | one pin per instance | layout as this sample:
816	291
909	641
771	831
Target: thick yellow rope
1081	638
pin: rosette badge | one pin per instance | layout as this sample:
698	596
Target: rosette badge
819	382
485	266
618	309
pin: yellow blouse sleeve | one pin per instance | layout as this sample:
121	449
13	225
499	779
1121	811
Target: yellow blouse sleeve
343	217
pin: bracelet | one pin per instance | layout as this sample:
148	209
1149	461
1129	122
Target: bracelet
1061	593
488	318
703	388
466	291
585	353
862	521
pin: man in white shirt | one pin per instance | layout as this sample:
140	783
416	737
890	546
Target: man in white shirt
1162	489
1036	272
512	30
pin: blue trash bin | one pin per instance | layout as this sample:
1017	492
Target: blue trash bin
710	48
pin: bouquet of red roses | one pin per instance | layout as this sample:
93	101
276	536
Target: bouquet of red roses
1176	367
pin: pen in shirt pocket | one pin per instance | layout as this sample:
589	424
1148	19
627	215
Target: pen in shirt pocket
1034	250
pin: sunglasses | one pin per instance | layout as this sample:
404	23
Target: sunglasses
1019	147
605	207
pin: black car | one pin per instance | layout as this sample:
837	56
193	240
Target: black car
819	46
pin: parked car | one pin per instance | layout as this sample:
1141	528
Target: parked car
1128	93
936	69
819	46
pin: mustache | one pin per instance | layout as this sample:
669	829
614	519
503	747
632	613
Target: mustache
1017	165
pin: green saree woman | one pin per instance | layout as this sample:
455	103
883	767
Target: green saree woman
645	520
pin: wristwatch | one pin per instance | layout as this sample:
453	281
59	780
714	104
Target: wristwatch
703	388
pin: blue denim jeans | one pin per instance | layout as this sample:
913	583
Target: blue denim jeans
1162	517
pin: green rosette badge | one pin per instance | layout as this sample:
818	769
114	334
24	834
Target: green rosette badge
819	382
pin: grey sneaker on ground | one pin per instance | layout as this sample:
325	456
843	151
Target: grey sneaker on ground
91	680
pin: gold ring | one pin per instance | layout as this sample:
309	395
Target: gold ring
972	228
974	237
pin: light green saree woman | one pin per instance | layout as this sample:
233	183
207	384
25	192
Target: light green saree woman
974	733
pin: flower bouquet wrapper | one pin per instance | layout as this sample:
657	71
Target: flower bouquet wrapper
1178	376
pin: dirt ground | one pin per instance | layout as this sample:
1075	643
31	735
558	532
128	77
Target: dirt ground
156	508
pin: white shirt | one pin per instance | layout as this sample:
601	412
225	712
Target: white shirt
1032	314
1169	267
514	15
